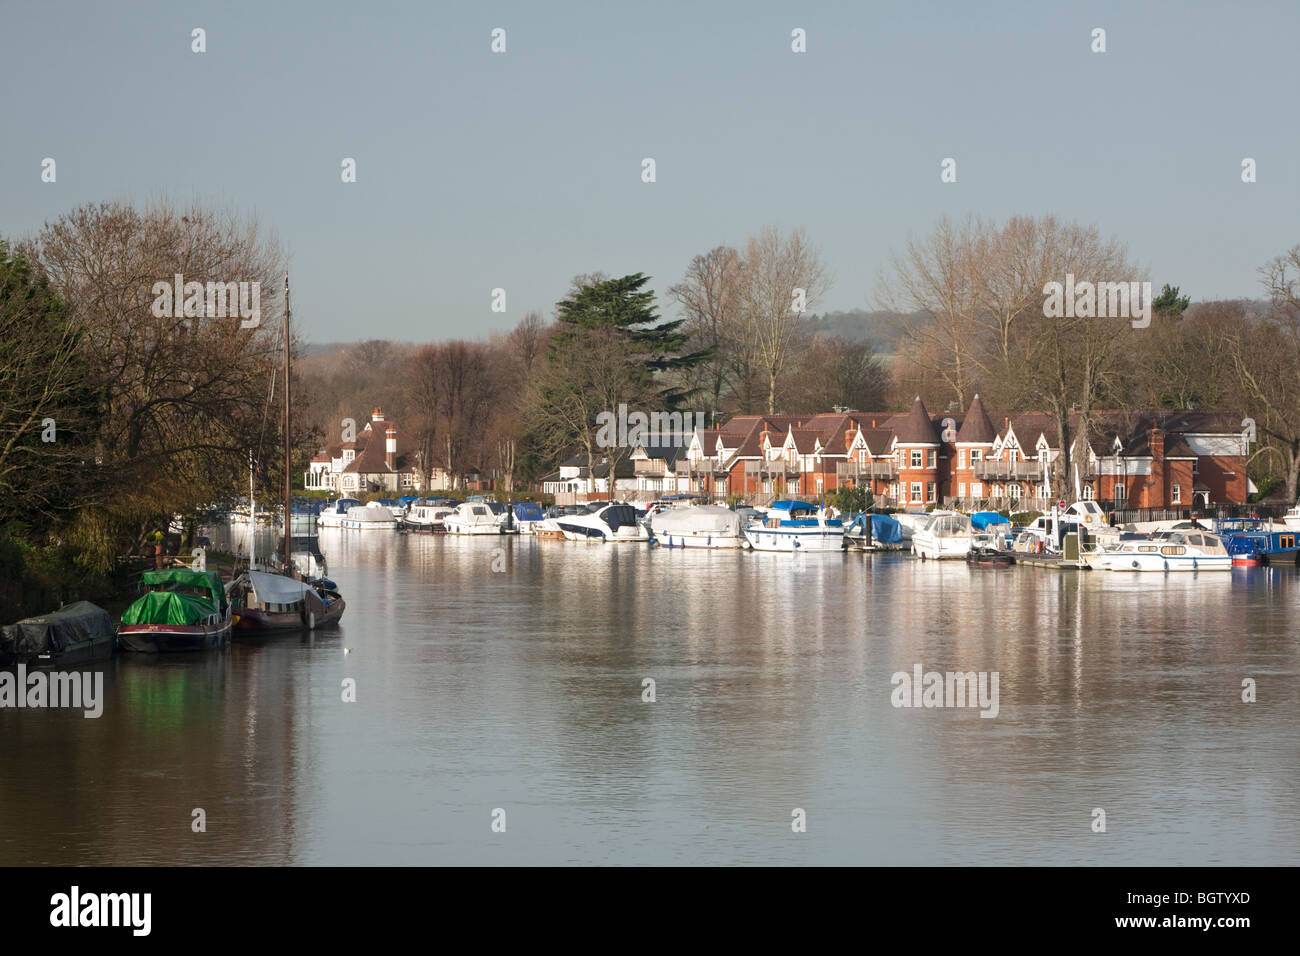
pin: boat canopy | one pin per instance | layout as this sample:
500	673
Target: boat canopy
527	511
885	530
77	623
706	519
168	607
173	578
793	506
619	516
982	520
276	588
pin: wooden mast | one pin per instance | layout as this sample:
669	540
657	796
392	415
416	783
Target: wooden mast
288	510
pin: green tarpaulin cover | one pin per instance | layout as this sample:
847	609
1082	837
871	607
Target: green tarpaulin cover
168	607
174	579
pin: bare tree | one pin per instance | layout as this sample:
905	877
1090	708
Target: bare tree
710	297
776	272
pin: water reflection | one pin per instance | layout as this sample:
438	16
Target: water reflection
508	672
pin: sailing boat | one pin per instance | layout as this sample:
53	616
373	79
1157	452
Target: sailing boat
281	598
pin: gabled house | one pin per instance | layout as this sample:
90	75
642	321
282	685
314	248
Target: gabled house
376	460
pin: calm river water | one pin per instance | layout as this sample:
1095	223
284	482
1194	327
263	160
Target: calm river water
512	679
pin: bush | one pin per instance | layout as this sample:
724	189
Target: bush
1022	519
851	499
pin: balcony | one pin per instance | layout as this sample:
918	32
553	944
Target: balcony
885	470
1008	470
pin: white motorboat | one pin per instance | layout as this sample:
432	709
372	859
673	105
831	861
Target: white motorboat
613	522
946	535
334	512
702	526
423	516
472	517
526	516
371	517
796	526
1169	551
1292	518
910	522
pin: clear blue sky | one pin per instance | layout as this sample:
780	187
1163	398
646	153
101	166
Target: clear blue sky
520	170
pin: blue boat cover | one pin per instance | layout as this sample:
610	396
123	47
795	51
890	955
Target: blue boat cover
885	530
528	511
793	506
982	520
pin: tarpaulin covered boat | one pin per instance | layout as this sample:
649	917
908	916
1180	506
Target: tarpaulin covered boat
76	632
181	610
266	602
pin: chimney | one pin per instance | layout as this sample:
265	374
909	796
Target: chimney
1156	439
390	455
377	415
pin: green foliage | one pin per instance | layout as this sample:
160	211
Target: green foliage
1267	485
1169	304
1023	519
852	498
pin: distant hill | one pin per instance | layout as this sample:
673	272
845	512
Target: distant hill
881	329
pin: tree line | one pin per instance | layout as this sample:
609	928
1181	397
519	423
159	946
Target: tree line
116	415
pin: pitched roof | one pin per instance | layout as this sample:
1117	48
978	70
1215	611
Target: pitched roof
977	427
916	427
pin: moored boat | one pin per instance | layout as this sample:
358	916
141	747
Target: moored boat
472	517
1169	551
426	516
334	512
371	517
181	610
796	526
271	602
612	522
946	535
701	526
76	632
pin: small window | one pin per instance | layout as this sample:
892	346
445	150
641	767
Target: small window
932	460
976	454
1177	494
929	490
916	459
961	489
1121	493
1087	492
961	457
976	489
916	492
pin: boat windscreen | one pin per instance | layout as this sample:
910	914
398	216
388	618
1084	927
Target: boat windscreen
619	516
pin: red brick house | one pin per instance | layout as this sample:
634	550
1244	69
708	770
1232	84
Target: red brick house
1139	458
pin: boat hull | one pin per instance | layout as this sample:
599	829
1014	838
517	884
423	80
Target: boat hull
795	539
1160	562
701	539
172	639
942	549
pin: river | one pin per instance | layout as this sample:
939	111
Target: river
502	680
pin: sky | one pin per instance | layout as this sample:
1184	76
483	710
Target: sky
478	170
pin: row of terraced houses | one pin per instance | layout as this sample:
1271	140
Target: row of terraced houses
1135	459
